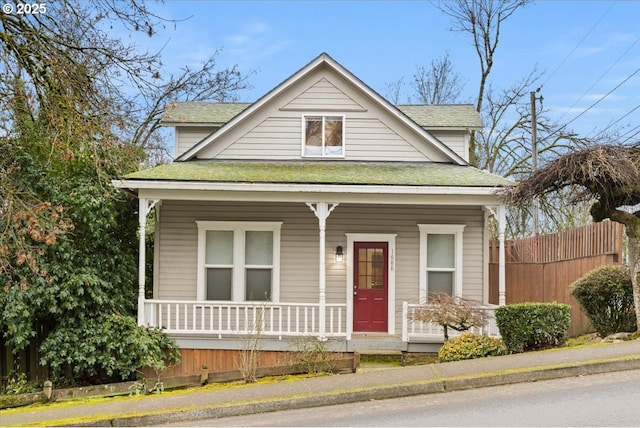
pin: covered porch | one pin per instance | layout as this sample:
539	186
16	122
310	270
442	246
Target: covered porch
216	324
395	214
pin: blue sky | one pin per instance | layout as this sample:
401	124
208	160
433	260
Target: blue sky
585	49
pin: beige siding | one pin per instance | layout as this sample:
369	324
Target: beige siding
323	95
455	140
275	130
188	136
299	245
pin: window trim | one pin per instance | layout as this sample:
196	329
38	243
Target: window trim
239	229
322	152
441	229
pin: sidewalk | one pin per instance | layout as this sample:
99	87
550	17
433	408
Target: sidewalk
370	384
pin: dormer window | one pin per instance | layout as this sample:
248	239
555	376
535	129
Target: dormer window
323	136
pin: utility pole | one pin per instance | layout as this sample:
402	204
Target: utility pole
534	157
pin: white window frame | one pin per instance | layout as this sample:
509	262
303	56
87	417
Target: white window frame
441	229
322	151
238	267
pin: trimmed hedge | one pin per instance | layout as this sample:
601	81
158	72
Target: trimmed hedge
532	326
469	346
606	297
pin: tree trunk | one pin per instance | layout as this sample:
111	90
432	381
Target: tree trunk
634	267
632	228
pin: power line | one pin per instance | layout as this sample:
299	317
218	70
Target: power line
600	78
630	136
619	119
580	42
594	104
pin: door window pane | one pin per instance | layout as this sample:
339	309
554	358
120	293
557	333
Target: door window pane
440	282
440	251
259	248
219	283
258	284
371	268
219	247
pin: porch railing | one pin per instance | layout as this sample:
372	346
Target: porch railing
244	318
281	320
414	330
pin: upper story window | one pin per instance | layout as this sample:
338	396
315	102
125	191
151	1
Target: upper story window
323	136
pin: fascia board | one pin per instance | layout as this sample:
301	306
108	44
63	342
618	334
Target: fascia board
303	188
299	197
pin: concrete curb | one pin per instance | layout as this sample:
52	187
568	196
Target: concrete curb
419	387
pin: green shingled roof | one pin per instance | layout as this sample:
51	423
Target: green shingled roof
323	172
428	116
443	116
202	112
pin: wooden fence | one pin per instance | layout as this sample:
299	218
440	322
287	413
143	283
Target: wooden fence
540	269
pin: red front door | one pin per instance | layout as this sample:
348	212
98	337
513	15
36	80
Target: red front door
370	285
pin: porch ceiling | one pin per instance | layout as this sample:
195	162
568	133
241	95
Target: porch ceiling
323	172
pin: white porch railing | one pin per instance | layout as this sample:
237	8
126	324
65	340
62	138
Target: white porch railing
414	330
244	318
281	320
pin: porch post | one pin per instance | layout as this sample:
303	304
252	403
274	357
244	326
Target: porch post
322	211
142	231
144	207
501	256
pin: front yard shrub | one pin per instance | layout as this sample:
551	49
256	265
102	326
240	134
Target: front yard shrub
468	346
533	326
606	297
114	349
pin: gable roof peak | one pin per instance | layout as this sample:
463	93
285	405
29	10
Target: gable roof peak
321	59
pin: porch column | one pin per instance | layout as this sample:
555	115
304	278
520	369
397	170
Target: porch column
322	211
501	255
144	206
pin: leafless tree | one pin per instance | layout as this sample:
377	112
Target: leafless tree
482	19
438	83
505	148
608	176
393	90
126	88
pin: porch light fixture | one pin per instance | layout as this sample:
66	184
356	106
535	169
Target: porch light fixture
339	254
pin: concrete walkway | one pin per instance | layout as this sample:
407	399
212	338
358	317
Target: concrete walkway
369	384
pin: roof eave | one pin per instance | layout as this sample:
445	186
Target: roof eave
133	184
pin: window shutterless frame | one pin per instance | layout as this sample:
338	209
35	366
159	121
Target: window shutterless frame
441	266
239	262
323	135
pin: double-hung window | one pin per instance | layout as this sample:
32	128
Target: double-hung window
238	261
323	136
440	260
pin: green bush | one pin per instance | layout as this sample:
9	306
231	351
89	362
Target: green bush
468	346
606	297
116	347
532	326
